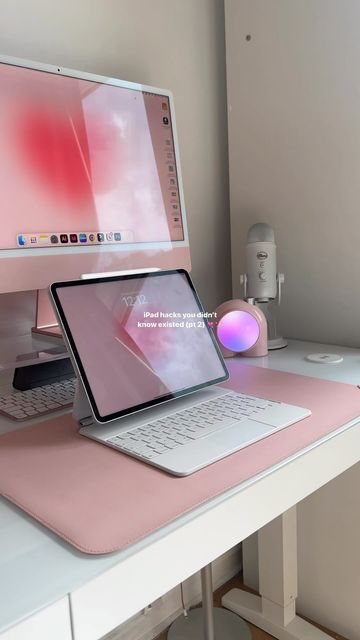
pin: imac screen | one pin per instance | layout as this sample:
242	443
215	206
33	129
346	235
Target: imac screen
84	163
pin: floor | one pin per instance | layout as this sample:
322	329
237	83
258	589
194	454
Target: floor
257	634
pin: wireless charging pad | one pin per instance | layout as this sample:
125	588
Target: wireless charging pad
324	358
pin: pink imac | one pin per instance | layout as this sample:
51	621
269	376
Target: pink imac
90	179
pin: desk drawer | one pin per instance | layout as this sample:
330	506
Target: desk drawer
52	622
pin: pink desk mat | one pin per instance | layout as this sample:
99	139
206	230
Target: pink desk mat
101	501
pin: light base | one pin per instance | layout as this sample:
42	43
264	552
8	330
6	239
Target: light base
277	343
228	626
249	606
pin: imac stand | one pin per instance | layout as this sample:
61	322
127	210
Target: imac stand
45	321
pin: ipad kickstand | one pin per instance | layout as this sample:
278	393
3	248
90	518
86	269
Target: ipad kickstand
81	409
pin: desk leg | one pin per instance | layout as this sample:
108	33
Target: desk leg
274	610
207	623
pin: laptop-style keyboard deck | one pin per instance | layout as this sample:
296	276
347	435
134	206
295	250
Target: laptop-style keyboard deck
160	436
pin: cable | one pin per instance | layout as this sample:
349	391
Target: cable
185	611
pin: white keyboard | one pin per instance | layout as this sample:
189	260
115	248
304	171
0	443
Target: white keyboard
159	437
24	405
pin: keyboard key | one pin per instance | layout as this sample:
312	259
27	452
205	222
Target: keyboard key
16	413
159	450
181	440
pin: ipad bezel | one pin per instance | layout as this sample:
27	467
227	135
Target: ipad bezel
53	289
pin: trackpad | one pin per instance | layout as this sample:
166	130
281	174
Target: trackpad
241	434
191	457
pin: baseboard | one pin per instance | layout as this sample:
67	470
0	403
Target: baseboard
146	626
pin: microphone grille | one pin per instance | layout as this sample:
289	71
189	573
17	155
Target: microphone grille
261	232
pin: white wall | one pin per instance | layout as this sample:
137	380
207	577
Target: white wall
294	141
294	137
329	558
166	43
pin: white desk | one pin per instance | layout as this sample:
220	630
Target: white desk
53	588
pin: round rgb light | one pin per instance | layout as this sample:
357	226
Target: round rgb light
238	331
